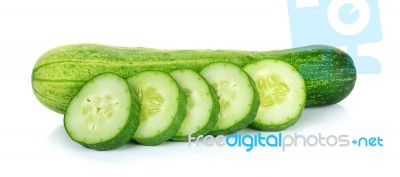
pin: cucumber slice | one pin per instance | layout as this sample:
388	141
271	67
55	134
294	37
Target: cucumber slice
202	107
104	114
163	106
282	93
236	94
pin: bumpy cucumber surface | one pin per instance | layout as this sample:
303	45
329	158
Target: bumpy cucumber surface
282	94
202	106
236	94
104	114
329	73
163	106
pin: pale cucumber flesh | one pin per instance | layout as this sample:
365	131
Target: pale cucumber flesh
282	94
104	114
163	106
202	107
236	95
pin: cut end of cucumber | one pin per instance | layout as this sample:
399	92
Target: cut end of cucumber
104	114
237	97
163	106
201	105
282	94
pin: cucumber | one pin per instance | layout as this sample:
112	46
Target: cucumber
329	73
104	114
282	94
236	94
202	107
163	107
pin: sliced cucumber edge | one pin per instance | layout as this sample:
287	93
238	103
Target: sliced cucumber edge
173	128
248	119
212	121
276	127
124	136
245	121
280	126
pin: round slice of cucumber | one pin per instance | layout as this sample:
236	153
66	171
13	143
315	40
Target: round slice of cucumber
202	106
282	94
104	114
237	96
163	106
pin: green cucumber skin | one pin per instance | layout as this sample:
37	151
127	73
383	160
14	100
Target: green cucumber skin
211	122
58	74
248	119
172	128
126	133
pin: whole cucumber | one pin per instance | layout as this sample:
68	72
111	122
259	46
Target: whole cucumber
57	76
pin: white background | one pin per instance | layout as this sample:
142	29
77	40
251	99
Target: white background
33	140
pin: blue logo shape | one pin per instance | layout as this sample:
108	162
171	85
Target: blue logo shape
338	23
347	15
